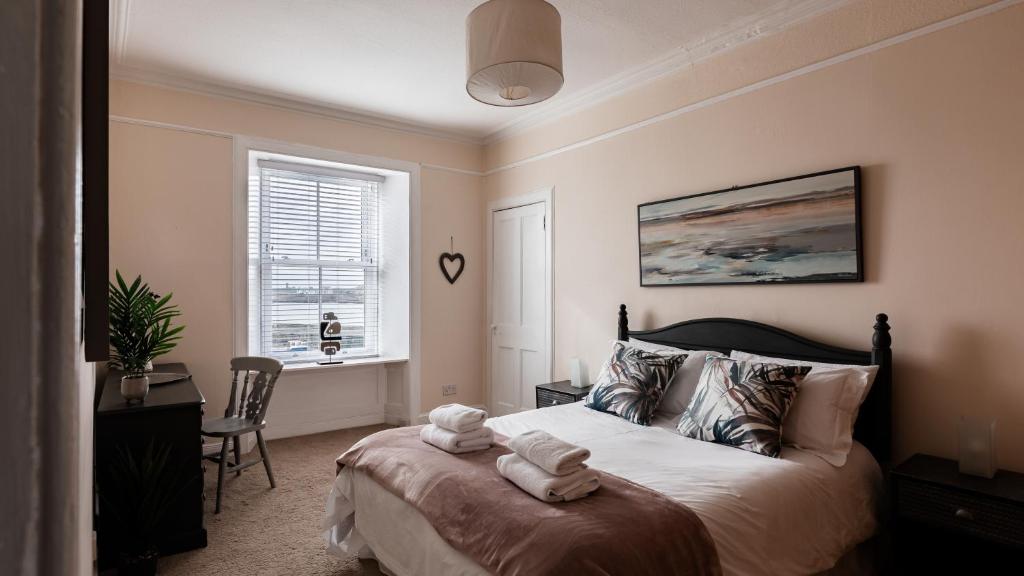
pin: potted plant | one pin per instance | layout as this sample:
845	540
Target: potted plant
140	330
145	490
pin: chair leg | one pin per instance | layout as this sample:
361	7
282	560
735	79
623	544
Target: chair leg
238	453
265	456
220	471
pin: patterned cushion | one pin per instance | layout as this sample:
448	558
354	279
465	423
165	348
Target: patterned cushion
632	382
742	404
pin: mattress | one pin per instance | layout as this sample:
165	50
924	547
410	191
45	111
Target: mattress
796	514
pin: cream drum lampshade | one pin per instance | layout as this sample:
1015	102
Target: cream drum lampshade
513	52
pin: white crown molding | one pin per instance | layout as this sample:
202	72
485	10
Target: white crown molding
268	98
808	69
740	32
120	18
724	39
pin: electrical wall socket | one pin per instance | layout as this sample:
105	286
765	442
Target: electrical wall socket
448	390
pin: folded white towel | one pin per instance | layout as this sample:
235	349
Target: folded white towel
457	442
457	418
555	456
544	486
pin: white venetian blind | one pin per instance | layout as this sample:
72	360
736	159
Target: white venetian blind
313	250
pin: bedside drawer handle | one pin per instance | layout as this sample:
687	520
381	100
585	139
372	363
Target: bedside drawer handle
964	514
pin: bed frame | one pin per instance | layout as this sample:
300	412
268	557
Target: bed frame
874	422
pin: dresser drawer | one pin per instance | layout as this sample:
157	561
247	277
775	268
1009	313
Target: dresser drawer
993	519
547	398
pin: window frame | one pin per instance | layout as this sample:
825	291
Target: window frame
264	263
401	278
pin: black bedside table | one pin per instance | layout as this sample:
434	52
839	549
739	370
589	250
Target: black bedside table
557	393
944	519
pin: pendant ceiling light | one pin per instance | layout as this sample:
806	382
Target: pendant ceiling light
513	52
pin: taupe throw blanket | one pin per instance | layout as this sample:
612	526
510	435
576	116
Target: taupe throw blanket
622	528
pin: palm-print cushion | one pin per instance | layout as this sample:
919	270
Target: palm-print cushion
632	382
742	404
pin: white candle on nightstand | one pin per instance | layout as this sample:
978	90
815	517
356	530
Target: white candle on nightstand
578	373
977	447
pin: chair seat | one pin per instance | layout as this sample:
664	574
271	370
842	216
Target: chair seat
226	427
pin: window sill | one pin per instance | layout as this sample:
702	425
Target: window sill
356	362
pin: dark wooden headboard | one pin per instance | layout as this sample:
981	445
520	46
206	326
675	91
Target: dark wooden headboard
874	422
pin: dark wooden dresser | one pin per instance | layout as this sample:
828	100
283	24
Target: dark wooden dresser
557	393
172	414
947	522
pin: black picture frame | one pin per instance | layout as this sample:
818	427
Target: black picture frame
857	277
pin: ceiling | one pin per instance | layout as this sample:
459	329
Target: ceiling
402	62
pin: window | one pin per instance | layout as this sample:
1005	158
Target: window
313	251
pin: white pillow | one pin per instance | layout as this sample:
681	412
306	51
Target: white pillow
685	380
821	418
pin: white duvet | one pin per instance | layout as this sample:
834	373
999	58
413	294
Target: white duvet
793	515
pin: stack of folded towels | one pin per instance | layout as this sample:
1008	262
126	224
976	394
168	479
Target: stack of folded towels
456	428
547	468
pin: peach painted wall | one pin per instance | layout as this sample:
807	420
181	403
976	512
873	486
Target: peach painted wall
170	220
938	126
853	25
453	314
171	214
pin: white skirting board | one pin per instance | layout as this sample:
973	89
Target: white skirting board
317	421
325	420
321	400
291	427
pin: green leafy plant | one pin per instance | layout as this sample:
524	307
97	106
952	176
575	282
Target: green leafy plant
140	325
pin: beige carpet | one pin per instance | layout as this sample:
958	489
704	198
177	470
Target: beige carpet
264	531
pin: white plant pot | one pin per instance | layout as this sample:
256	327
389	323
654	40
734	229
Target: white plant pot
134	388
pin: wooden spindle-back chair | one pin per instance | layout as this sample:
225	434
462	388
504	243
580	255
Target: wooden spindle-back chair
246	412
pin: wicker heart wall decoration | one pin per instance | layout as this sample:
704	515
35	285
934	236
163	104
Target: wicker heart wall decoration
448	260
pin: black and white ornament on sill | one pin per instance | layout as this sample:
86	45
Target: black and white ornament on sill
330	337
448	259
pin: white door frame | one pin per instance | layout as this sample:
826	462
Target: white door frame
545	196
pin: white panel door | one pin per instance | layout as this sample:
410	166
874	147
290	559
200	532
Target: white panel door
519	355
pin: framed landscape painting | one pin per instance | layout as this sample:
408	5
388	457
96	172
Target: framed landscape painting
802	229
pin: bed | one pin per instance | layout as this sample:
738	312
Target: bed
796	514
